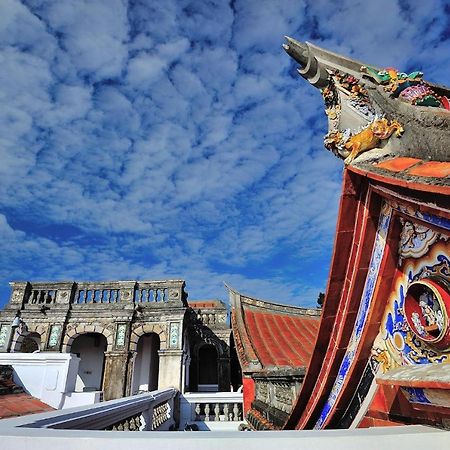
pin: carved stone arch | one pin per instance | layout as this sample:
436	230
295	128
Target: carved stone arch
24	331
139	330
74	331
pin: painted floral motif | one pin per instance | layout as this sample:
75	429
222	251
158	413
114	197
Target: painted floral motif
55	333
173	334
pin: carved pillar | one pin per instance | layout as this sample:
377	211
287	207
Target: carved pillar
65	293
224	373
130	369
115	374
20	292
193	375
170	369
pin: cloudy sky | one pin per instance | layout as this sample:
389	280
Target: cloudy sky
153	139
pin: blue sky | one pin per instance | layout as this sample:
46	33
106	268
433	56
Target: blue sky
173	139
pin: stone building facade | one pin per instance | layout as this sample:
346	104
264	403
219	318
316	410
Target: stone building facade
131	336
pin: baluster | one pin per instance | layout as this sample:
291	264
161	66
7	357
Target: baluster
235	413
216	413
151	295
197	411
207	412
225	412
120	427
126	425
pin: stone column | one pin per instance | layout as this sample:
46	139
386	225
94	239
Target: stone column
130	369
115	374
170	368
224	373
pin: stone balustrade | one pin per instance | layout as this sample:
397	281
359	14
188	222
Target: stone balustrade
211	411
37	295
151	411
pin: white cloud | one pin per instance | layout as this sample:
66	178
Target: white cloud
162	139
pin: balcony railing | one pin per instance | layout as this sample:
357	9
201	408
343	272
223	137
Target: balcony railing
31	295
152	411
211	411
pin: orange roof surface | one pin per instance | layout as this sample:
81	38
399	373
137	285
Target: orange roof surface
272	336
416	167
12	405
282	339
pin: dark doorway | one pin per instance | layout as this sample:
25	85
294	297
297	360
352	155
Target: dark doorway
207	369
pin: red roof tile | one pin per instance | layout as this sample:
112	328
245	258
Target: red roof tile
281	339
434	169
397	164
12	405
269	335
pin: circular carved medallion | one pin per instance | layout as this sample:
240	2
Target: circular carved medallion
427	303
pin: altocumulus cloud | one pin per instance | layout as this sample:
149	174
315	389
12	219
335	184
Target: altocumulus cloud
145	139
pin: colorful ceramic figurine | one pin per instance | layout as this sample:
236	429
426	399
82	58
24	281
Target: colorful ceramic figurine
410	88
368	138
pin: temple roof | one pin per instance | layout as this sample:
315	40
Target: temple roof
388	125
272	337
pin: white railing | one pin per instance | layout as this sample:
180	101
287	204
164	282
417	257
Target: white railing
415	437
211	411
151	411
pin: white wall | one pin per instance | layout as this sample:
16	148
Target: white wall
45	375
50	377
91	349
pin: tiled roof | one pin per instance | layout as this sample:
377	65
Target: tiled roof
272	336
12	405
281	339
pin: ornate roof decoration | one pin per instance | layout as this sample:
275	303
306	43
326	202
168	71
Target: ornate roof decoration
381	121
